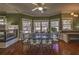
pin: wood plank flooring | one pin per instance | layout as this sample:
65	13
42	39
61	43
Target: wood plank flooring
60	48
71	48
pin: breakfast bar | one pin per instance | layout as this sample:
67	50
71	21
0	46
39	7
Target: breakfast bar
68	36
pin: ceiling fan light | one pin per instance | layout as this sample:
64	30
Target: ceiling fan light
34	9
40	8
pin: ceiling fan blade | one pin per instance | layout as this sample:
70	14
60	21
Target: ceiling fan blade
34	9
35	4
43	4
45	7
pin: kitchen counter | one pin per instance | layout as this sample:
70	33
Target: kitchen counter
70	35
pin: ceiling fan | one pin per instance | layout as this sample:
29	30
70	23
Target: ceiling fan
40	6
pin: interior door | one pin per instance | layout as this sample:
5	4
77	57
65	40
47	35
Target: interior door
26	28
54	28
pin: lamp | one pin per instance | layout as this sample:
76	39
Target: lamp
73	14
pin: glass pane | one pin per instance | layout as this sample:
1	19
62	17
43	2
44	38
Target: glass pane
55	25
67	24
37	26
44	26
26	26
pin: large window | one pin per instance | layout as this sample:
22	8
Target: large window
67	24
54	25
41	26
45	25
37	26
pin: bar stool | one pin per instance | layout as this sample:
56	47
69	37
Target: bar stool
49	42
32	44
26	46
38	44
43	46
49	45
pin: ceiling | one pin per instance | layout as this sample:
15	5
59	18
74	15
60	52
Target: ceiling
26	8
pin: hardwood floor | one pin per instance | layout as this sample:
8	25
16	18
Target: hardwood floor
15	49
60	48
71	48
41	49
